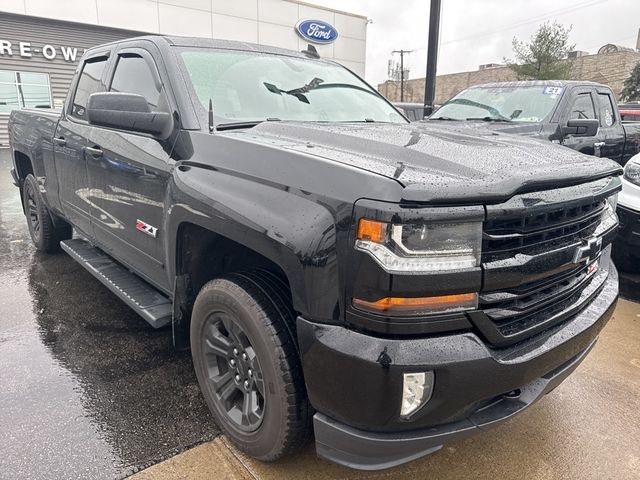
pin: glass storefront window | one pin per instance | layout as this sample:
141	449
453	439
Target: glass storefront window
24	90
8	97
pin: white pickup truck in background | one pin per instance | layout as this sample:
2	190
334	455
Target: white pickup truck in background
627	244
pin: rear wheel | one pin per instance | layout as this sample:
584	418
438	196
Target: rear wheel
45	235
247	364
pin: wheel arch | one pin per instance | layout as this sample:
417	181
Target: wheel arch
202	254
293	232
23	164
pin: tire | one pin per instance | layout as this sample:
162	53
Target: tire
45	236
256	392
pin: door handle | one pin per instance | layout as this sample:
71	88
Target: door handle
95	152
599	144
59	141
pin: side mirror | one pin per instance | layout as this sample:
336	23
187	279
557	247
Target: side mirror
126	111
581	127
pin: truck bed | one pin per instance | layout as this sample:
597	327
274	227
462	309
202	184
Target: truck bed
30	127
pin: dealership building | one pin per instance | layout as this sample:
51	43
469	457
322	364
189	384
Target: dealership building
41	41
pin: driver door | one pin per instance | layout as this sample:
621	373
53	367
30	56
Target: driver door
610	128
129	174
583	107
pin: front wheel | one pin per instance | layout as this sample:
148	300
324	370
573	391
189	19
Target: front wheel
247	364
45	235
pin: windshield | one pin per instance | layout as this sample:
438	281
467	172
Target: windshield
250	87
503	103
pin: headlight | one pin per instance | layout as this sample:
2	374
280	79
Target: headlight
632	173
418	249
613	202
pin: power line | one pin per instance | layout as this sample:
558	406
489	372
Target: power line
504	28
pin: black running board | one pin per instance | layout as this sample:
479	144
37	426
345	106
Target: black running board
148	302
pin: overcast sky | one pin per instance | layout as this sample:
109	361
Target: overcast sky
478	32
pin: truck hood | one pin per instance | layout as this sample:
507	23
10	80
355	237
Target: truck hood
445	164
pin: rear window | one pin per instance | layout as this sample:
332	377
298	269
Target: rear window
90	82
605	107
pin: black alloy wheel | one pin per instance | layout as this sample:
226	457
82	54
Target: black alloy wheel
234	371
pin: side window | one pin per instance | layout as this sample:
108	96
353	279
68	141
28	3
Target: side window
90	82
605	109
582	107
133	75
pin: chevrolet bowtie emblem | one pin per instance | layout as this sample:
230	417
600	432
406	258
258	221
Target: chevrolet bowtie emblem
588	251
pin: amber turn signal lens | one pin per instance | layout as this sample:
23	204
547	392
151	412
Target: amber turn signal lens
372	230
424	305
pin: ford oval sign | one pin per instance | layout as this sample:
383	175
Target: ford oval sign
317	31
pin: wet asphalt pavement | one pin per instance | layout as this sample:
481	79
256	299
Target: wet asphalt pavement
87	388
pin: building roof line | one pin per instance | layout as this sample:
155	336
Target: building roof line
334	10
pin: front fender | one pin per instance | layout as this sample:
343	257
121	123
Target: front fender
296	230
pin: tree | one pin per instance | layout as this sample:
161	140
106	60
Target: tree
631	90
544	57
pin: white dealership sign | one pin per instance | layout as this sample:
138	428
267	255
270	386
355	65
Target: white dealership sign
49	52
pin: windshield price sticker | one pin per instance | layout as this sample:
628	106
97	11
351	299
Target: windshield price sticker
553	90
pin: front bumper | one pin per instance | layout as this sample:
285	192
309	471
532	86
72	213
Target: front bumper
357	397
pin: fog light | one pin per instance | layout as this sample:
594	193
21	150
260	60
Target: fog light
416	391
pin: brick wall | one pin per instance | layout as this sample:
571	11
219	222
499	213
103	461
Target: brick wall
611	69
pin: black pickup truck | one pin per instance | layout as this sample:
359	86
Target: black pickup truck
577	114
334	269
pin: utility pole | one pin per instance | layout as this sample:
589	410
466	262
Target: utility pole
432	57
402	52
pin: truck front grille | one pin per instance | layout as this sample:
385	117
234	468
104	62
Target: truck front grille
536	273
508	236
522	308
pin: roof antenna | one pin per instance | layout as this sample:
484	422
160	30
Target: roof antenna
212	124
311	51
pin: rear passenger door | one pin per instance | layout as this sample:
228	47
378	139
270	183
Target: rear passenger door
70	140
610	128
129	172
582	107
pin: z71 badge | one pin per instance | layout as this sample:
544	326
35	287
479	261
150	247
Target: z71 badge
146	228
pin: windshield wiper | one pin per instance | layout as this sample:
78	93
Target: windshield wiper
490	119
245	124
445	118
299	92
315	84
492	110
